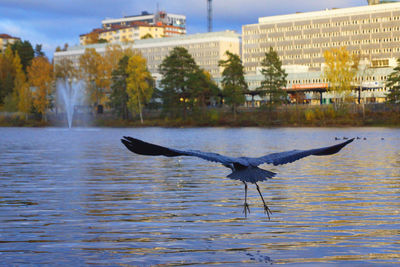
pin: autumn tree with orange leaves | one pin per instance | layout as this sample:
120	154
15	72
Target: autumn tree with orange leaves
113	55
22	93
92	38
93	72
40	77
97	71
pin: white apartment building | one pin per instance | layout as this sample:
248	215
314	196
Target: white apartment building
206	49
372	32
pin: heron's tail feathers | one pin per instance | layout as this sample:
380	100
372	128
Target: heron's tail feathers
251	175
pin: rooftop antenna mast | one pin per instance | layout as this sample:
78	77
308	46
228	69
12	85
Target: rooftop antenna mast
209	15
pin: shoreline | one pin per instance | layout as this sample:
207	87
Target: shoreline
283	116
180	124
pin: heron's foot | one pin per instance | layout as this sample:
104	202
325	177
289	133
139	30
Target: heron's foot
267	211
246	209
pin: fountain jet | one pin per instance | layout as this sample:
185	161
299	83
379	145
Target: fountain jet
71	94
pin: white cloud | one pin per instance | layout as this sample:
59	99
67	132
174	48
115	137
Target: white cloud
27	32
9	27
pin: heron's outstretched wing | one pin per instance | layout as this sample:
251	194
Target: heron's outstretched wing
293	155
143	148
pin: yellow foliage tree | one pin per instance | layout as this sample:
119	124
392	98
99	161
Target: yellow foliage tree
97	71
340	70
138	84
40	76
66	70
22	93
7	73
92	38
93	71
112	56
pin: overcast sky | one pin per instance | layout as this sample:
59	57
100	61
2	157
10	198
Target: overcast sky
55	22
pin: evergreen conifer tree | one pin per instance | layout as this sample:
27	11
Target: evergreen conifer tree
119	96
274	78
393	83
234	85
178	70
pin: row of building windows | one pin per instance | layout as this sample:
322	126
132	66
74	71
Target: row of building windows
205	53
301	55
298	48
125	31
328	45
315	25
203	45
191	46
209	62
177	30
201	55
300	36
154	50
135	29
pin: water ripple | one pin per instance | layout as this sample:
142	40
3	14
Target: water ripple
77	197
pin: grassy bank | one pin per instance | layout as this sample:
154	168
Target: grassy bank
14	120
287	116
284	116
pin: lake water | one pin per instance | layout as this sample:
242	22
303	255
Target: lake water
78	197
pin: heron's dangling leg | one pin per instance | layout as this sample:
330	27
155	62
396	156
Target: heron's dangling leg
246	206
266	209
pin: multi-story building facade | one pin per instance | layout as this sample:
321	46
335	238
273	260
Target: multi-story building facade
178	22
206	49
129	33
131	28
372	32
6	39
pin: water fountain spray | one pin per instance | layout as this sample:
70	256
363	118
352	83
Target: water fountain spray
71	94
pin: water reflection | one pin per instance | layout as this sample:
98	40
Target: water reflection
78	197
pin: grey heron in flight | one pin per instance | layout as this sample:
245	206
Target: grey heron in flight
244	169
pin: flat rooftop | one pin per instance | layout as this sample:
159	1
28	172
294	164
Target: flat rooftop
336	12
